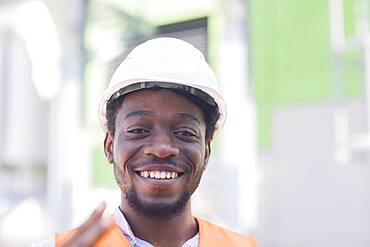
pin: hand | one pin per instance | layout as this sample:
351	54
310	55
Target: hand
89	232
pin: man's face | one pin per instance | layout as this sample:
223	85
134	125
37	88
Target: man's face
158	150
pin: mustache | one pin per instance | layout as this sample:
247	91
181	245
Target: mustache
165	161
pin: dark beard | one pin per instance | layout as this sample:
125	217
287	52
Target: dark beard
150	210
156	210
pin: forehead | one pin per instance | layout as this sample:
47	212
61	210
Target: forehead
163	101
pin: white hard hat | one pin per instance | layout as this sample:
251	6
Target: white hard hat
168	63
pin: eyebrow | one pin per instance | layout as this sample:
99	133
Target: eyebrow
188	117
140	113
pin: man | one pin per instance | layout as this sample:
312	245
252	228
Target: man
159	113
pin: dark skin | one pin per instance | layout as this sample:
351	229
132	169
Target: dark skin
158	131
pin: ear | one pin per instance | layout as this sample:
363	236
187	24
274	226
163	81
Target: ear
108	147
207	154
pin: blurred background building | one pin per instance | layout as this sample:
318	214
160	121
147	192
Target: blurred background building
292	163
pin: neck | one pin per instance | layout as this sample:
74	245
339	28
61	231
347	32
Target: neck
161	232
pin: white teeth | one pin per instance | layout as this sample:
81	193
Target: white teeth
159	174
145	174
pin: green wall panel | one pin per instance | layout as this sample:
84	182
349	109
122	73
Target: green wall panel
102	172
349	17
290	55
352	76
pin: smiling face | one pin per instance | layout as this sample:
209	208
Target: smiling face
158	150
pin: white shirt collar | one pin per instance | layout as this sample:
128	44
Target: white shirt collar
137	242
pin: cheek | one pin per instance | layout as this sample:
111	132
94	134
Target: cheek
122	179
123	152
196	154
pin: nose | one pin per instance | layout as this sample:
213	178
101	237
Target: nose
161	146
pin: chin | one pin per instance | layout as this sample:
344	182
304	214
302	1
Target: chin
159	208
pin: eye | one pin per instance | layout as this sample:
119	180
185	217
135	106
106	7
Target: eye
137	132
184	133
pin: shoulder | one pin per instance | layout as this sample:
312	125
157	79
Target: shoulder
113	236
214	235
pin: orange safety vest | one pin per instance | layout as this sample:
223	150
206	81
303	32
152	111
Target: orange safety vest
210	235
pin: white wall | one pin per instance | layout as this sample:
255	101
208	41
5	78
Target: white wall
306	197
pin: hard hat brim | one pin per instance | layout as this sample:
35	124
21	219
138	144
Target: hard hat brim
126	87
